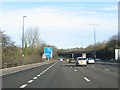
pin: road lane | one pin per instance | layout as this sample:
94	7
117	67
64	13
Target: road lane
99	77
113	68
63	75
16	79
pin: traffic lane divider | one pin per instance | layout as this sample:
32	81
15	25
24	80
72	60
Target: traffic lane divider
7	71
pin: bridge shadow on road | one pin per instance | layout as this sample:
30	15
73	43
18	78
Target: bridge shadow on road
69	65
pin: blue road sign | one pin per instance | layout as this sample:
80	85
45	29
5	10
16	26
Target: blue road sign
48	52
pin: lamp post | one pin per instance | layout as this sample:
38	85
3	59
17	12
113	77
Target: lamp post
82	45
23	41
81	41
94	40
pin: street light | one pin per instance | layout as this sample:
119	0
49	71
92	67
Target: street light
23	41
94	40
81	41
82	44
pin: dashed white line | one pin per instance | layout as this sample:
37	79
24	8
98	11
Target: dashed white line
38	75
35	77
70	67
75	70
23	86
107	69
41	73
30	81
86	79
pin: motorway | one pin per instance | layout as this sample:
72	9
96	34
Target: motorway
64	75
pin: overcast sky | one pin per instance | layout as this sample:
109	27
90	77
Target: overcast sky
63	24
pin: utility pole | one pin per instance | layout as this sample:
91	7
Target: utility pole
23	42
94	39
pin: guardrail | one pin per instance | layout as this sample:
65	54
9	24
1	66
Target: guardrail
104	62
111	61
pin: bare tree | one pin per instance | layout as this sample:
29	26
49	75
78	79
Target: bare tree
31	44
32	37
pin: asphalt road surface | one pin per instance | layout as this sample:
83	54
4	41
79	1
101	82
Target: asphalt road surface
64	75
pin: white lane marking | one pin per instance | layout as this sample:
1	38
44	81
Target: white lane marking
75	70
48	68
35	77
71	67
19	70
107	69
30	81
45	70
86	79
38	75
41	73
23	86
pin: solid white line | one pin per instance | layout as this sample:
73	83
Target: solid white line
35	78
86	79
30	81
107	69
47	69
23	86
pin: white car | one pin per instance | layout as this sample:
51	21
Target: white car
81	61
90	60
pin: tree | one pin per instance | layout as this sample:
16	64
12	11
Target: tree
113	42
9	50
111	45
31	40
32	43
6	40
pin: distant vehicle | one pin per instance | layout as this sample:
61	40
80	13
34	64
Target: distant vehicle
61	59
81	61
90	60
67	60
97	59
71	61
